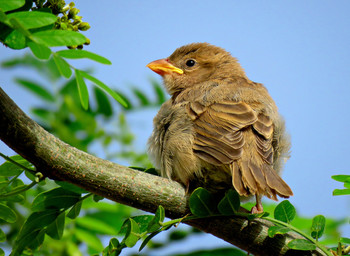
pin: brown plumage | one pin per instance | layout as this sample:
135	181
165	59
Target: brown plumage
219	128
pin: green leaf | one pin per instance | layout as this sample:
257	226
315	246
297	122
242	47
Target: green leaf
2	236
301	244
103	104
71	187
104	87
89	238
229	205
33	19
74	212
341	178
125	99
345	240
32	230
147	239
341	192
157	220
80	54
37	89
158	89
82	89
55	229
15	40
3	19
6	5
97	198
7	214
133	233
59	38
2	253
285	211
275	230
8	168
15	24
202	203
144	101
141	220
62	66
96	225
40	51
57	198
317	228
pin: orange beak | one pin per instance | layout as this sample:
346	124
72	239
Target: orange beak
163	67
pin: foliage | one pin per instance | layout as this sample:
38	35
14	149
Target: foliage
43	217
41	27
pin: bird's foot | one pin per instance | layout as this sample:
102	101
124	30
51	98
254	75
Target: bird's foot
258	208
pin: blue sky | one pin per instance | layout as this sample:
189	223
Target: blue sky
298	49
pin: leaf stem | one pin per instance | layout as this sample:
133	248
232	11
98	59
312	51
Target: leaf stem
18	191
322	247
18	164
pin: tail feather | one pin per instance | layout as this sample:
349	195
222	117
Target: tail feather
237	180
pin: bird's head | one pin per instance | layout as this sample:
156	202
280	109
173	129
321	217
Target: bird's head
196	63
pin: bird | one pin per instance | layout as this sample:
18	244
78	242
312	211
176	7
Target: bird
218	128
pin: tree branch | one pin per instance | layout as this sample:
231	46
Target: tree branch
57	160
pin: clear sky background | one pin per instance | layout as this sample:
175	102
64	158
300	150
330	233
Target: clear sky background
300	50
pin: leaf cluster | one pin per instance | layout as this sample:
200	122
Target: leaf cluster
204	204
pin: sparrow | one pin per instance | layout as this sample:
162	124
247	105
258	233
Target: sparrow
219	128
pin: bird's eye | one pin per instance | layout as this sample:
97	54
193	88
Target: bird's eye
190	63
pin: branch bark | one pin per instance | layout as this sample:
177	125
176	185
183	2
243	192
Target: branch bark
59	161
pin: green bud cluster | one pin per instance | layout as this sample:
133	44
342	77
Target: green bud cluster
67	17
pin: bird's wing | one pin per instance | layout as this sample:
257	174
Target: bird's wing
232	133
219	130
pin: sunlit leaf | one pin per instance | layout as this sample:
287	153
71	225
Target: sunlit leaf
82	89
62	66
6	5
341	178
285	211
275	230
79	54
15	24
341	192
59	38
40	51
301	244
345	240
33	19
37	89
132	235
202	202
156	222
15	40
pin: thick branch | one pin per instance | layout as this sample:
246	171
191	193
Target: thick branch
59	161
